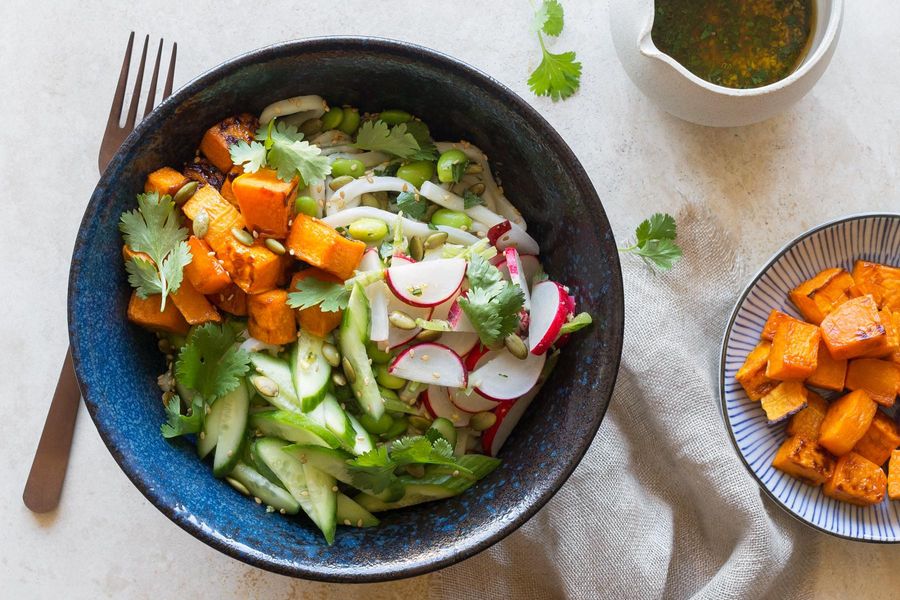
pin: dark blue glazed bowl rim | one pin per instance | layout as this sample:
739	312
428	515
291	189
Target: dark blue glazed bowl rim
474	544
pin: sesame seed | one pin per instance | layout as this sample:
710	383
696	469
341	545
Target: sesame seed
304	493
290	222
347	522
230	297
359	523
404	188
211	253
456	473
221	297
257	500
358	394
203	434
425	357
282	511
255	234
291	251
334	488
436	375
230	453
360	438
220	261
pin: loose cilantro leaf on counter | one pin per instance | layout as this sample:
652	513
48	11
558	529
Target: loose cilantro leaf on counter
378	137
492	304
179	424
549	18
654	241
472	199
155	229
328	295
558	75
210	363
281	147
411	205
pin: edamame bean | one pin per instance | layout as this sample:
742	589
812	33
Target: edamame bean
483	420
397	428
332	119
451	218
368	229
416	172
376	426
377	354
347	166
420	423
392	382
306	205
388	394
395	117
350	122
452	165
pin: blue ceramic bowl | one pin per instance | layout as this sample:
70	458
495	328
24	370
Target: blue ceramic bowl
117	363
874	237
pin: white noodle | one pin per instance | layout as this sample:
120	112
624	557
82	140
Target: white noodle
314	105
348	196
410	227
450	200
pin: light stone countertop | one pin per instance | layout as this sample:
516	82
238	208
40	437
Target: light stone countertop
835	153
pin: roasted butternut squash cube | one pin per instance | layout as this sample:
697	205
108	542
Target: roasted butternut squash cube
752	374
204	172
165	181
880	440
193	305
265	201
804	459
318	244
894	476
145	312
856	480
830	374
806	423
794	352
879	281
776	318
314	320
853	328
890	343
204	271
847	420
222	216
785	400
820	295
255	269
270	319
218	139
879	378
230	176
232	300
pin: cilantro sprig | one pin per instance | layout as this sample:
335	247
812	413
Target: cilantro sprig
329	296
281	147
558	75
411	205
375	470
397	140
471	199
654	241
155	230
178	424
210	363
491	303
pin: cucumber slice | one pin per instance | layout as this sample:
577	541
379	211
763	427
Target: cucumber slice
444	428
234	407
209	435
398	406
330	414
354	334
265	490
334	463
293	427
257	458
352	514
278	371
363	442
414	493
323	496
479	464
311	372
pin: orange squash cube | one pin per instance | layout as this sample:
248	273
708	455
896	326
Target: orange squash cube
820	295
204	270
880	439
847	420
806	423
853	328
879	378
794	351
232	300
270	319
785	400
776	318
805	460
830	374
230	176
218	139
145	312
254	269
894	476
265	201
223	217
193	305
314	320
165	181
856	480
752	374
318	244
879	281
890	343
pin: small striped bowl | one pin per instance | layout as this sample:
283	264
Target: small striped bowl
874	237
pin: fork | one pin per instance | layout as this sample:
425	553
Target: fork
48	471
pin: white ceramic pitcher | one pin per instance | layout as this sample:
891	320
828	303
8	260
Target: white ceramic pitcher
693	99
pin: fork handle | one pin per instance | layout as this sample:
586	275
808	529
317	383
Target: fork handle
45	480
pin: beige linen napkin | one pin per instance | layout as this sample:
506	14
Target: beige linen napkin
660	506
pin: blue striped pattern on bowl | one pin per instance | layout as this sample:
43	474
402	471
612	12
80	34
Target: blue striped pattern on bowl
874	237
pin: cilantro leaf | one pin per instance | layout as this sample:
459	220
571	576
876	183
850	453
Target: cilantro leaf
178	424
655	241
663	253
491	303
658	227
548	18
471	199
210	363
577	322
558	75
389	170
420	450
298	158
377	136
411	205
372	471
278	132
155	229
328	295
252	155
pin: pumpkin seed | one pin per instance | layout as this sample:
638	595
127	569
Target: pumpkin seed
338	379
401	320
242	236
428	335
483	420
185	192
275	246
349	371
474	169
436	239
420	423
416	249
339	182
264	386
369	199
516	346
238	486
201	223
331	354
311	127
477	189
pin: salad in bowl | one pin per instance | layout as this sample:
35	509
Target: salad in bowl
354	315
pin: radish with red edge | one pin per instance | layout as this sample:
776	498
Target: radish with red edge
497	260
497	231
473	358
401	259
458	319
508	415
517	274
549	309
442	310
461	342
504	235
502	376
472	402
437	402
430	363
397	336
427	284
379	297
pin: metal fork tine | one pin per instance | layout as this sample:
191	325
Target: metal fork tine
136	95
167	91
115	112
151	94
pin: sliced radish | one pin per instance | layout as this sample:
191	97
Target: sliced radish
430	363
506	234
379	296
549	308
397	336
497	231
504	270
473	358
427	284
437	401
370	261
502	376
461	342
497	260
442	310
473	402
508	416
517	274
401	259
458	319
433	254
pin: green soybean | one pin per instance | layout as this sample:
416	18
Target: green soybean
416	172
350	122
347	166
306	205
388	394
368	229
332	119
395	117
452	165
398	427
451	218
377	355
392	382
377	426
